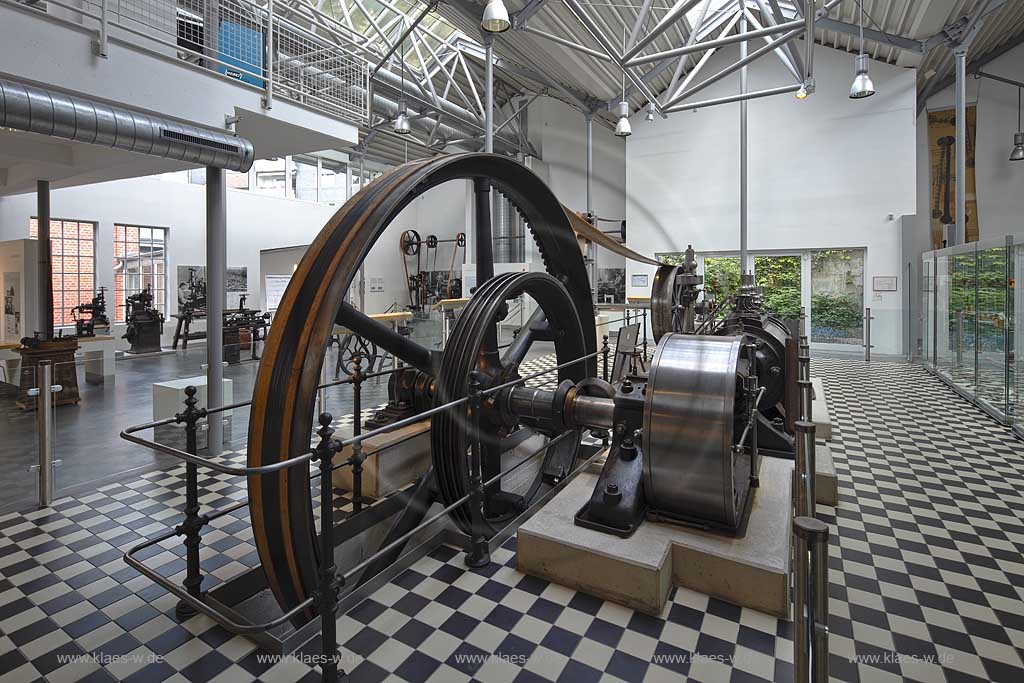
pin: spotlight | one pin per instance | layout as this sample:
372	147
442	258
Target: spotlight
622	128
495	19
862	86
806	89
649	116
1018	147
402	124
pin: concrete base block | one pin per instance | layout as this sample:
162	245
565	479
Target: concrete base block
826	483
751	570
393	460
822	418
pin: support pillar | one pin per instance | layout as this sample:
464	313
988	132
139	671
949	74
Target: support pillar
591	255
489	90
744	265
960	56
216	295
45	275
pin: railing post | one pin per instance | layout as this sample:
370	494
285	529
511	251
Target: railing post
802	329
604	356
479	554
806	390
329	588
268	97
810	647
193	523
867	334
804	465
644	310
357	428
45	388
959	338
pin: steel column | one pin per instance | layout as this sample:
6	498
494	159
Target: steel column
44	416
489	96
45	274
590	161
960	54
743	143
216	282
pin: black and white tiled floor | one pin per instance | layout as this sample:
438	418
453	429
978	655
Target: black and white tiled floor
926	571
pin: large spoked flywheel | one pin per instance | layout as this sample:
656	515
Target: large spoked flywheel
284	397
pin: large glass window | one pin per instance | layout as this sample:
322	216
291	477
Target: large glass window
270	177
780	277
140	261
73	254
837	296
722	276
332	182
304	178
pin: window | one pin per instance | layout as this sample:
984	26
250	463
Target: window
332	182
780	277
72	249
140	261
837	296
303	178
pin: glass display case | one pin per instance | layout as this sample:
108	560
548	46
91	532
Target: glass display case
969	303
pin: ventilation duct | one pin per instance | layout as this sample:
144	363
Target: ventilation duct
48	112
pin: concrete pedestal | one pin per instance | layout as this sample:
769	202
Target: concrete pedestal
822	418
751	570
98	354
169	400
826	483
393	460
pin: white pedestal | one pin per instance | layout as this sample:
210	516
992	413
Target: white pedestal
98	356
169	397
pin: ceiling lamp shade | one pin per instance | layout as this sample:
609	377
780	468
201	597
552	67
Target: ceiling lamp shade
495	19
402	124
1018	147
649	116
862	85
622	128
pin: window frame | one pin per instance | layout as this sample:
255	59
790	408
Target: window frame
160	302
64	310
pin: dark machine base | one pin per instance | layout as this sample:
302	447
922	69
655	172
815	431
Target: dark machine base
146	337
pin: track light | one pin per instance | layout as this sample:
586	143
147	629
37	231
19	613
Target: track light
495	19
622	128
806	89
649	116
862	85
1018	138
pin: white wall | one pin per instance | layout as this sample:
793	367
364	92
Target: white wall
559	134
254	222
825	172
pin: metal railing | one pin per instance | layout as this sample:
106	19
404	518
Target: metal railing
252	45
44	468
810	559
330	582
867	334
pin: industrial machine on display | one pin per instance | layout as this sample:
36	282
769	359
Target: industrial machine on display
97	312
680	305
194	306
427	285
145	323
682	446
243	326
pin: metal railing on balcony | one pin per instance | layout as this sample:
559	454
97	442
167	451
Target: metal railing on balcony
252	45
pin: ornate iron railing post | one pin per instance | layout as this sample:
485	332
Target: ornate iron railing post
193	523
604	358
357	428
645	335
328	591
479	554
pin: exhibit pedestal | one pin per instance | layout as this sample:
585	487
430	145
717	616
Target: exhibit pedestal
820	414
826	483
61	352
169	400
393	459
750	570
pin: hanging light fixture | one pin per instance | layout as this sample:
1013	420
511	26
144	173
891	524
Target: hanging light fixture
402	126
649	116
1018	138
495	19
862	85
622	128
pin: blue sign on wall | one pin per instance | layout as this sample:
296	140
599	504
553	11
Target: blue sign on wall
240	46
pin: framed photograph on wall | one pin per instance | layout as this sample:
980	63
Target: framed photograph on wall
883	283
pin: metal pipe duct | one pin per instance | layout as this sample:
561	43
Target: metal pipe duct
49	112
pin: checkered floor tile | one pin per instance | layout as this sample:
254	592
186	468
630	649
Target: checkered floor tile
926	578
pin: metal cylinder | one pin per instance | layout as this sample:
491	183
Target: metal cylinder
800	479
691	399
806	399
805	443
216	283
593	411
810	647
44	416
867	334
45	267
